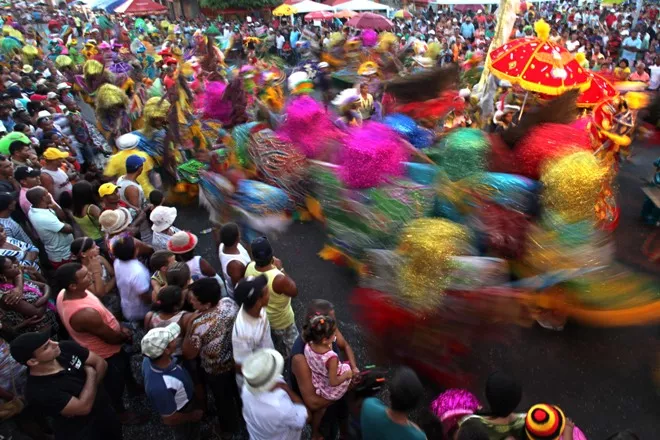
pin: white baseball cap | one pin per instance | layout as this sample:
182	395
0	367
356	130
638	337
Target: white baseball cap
63	85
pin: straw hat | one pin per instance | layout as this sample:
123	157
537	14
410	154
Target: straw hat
262	370
182	242
115	221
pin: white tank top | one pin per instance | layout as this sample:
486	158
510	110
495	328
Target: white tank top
195	270
225	259
61	182
145	230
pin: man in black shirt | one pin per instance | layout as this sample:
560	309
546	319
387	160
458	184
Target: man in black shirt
63	383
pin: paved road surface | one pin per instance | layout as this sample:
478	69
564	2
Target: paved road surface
602	378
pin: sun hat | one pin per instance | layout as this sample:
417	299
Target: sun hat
107	188
262	370
127	141
157	339
115	220
162	218
544	422
182	242
55	154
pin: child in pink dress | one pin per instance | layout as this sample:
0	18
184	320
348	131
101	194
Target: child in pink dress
330	377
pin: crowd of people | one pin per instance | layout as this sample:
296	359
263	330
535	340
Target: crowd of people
93	270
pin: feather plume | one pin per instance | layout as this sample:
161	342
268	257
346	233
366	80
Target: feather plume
422	86
562	110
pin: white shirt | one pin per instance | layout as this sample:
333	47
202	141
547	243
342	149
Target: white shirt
225	259
272	415
249	335
133	279
572	45
655	77
48	227
279	41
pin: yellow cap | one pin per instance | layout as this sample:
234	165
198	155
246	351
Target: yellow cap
107	188
54	154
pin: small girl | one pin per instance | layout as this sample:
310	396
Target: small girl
330	377
168	309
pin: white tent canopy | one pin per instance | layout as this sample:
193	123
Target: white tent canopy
307	6
361	5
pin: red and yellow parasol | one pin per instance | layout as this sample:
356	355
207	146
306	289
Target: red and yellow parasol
599	90
538	65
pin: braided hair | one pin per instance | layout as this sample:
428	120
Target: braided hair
319	327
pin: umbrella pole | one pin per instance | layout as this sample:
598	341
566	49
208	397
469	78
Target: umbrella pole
522	109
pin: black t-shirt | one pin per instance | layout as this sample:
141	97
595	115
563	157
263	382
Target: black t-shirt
49	395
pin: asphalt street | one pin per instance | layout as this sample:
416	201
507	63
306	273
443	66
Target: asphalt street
602	378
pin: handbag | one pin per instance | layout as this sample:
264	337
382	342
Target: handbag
14	406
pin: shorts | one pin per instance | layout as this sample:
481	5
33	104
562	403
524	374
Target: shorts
283	339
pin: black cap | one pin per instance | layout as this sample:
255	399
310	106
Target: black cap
262	251
21	173
249	286
23	347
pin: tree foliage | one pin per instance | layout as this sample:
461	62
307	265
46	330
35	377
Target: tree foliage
239	4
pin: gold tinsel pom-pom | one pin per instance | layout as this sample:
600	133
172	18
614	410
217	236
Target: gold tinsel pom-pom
427	246
92	67
156	108
110	96
542	30
571	186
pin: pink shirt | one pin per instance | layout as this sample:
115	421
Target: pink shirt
66	309
644	77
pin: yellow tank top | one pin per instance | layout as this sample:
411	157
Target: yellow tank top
279	310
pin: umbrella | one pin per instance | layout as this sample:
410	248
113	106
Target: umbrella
319	15
369	20
140	7
345	14
538	65
284	10
599	90
402	13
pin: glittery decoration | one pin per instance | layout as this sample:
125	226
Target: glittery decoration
367	218
308	127
452	405
406	126
508	190
546	142
259	198
371	154
465	153
369	37
279	163
214	106
572	185
427	246
241	136
502	231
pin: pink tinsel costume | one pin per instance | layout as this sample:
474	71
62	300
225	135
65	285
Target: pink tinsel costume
371	154
453	405
308	127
